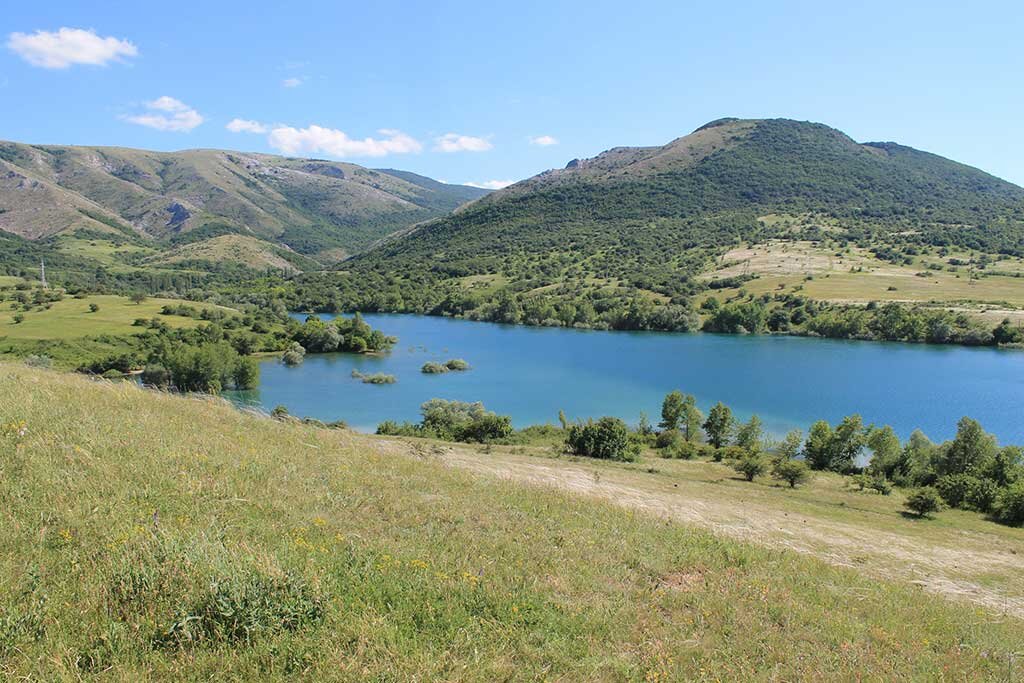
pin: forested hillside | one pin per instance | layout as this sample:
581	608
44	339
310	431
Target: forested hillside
636	227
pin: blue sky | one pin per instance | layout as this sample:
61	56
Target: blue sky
469	92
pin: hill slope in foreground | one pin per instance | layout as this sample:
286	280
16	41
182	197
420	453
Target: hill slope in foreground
313	206
148	535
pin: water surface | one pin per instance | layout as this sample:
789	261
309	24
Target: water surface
531	373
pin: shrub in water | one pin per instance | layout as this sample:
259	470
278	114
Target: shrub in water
434	369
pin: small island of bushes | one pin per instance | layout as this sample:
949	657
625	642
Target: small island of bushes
453	365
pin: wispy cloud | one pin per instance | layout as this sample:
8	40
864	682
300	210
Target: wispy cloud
317	139
454	142
66	46
543	140
169	114
491	184
246	126
293	82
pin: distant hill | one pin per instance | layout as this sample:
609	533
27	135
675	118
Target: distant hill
636	226
710	187
323	209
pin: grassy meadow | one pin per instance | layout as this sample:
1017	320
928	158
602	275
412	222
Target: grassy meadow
151	536
71	334
854	275
71	318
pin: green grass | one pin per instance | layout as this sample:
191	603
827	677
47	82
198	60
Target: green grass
72	319
148	536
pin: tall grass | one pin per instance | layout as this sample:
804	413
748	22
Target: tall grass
145	535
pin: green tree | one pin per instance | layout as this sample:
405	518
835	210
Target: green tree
672	409
971	450
719	425
93	308
886	454
816	450
750	435
847	441
690	424
789	448
1005	467
1009	505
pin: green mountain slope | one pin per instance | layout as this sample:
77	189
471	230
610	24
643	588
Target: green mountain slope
709	187
653	219
318	208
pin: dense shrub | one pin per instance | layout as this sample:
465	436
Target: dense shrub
750	466
667	438
1009	505
793	472
924	501
607	438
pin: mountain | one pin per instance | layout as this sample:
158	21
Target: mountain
712	185
650	223
318	208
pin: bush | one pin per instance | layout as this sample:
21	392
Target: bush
607	438
792	472
750	466
376	378
434	368
924	501
460	421
1009	505
681	449
156	375
668	438
729	453
38	361
982	495
880	484
294	354
93	308
954	488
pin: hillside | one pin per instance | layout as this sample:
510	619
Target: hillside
318	208
647	222
138	546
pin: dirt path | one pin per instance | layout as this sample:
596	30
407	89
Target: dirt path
950	569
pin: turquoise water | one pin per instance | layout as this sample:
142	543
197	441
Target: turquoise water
531	373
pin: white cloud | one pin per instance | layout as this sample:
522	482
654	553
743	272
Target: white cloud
543	140
177	116
491	184
292	82
246	126
317	139
453	142
67	46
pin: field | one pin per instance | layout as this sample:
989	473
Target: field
71	318
136	544
854	275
